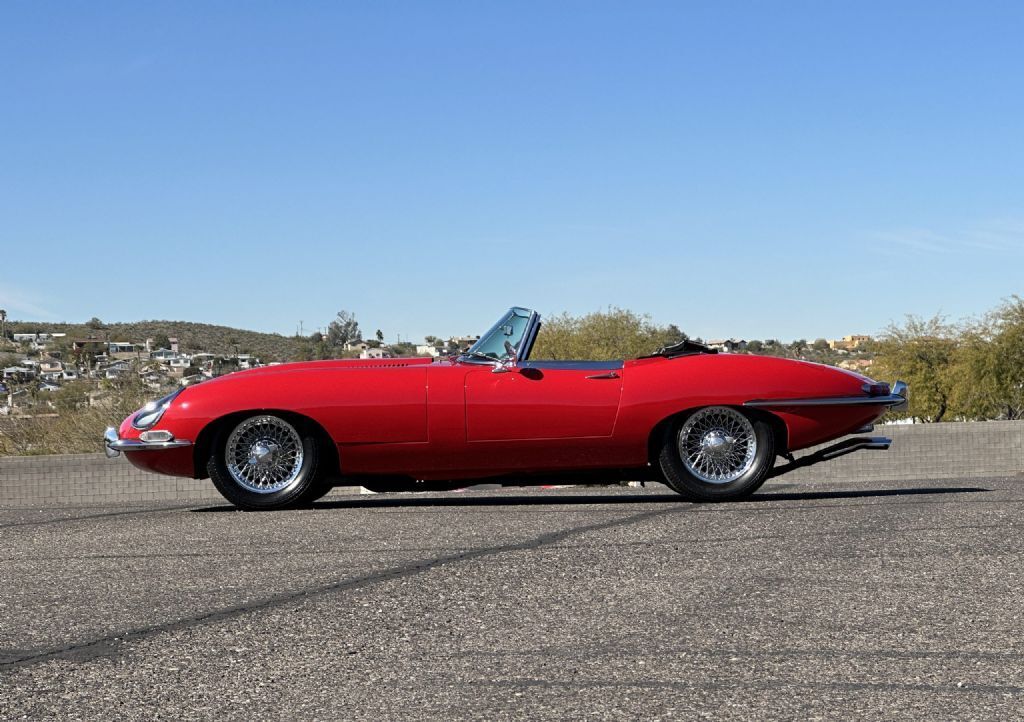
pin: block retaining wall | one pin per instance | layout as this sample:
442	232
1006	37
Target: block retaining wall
928	451
922	451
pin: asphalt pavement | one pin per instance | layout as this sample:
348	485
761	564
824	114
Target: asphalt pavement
898	600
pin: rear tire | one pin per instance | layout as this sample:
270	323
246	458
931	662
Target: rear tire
265	462
717	453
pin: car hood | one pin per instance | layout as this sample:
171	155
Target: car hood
328	365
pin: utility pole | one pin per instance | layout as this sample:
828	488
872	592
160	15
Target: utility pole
3	326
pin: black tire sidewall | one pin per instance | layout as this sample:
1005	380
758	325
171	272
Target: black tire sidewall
297	494
680	480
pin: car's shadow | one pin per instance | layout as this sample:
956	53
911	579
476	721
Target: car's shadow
379	501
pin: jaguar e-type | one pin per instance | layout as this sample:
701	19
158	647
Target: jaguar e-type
709	425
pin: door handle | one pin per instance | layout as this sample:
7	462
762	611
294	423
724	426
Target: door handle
609	375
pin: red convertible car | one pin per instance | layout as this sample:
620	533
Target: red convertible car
708	425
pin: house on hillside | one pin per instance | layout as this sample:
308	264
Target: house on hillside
178	364
849	343
461	343
89	345
727	345
51	370
116	369
374	353
121	349
19	373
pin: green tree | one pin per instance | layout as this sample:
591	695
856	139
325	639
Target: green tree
380	335
924	353
403	348
612	334
71	397
314	348
990	365
343	329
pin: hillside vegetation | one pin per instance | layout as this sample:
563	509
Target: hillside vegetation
191	336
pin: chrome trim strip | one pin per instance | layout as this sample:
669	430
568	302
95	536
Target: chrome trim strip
890	400
113	445
897	399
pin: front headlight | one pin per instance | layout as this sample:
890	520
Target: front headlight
148	415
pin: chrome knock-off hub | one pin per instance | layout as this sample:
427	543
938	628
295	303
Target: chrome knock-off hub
263	453
718	444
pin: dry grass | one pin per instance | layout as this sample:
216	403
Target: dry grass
72	431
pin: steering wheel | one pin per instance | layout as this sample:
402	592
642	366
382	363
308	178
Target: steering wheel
510	350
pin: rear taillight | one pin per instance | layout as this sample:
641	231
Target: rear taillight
876	389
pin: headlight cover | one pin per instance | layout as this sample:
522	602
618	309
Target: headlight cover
149	415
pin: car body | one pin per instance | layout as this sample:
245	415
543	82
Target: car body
491	413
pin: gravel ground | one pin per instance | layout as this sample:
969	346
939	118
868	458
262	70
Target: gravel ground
899	600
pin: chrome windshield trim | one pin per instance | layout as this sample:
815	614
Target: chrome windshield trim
525	342
532	329
113	445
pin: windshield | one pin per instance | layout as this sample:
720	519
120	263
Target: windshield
505	338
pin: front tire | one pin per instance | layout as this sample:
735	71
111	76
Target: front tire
717	453
265	462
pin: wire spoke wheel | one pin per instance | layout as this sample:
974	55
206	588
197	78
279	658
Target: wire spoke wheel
717	445
264	454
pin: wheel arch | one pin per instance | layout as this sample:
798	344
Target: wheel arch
665	426
330	464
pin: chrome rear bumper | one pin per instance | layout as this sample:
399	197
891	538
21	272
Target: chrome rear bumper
844	447
113	445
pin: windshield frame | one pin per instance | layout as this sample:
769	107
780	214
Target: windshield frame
525	342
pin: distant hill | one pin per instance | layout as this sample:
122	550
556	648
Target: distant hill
191	336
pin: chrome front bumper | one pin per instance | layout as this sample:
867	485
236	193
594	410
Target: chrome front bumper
113	445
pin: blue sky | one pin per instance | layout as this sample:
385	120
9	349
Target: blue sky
749	169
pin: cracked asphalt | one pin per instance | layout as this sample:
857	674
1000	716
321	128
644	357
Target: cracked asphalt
900	600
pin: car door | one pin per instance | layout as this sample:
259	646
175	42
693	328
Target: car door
546	400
